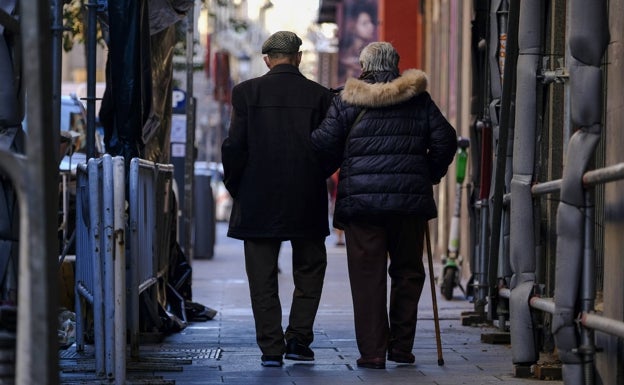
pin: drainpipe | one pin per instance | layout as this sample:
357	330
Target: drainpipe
489	223
522	247
587	41
492	189
488	132
57	52
499	265
480	95
189	155
91	68
588	290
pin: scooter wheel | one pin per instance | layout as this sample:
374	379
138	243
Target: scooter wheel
448	284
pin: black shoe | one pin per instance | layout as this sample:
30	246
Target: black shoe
401	357
298	351
272	361
371	363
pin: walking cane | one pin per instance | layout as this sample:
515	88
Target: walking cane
433	297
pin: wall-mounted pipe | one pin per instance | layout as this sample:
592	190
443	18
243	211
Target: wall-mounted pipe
603	324
590	178
587	319
522	243
499	269
587	41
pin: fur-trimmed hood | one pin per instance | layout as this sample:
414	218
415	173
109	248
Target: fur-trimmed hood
363	94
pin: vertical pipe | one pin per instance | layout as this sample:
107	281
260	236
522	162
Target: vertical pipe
480	280
57	50
587	41
588	288
508	20
37	345
107	263
502	15
522	224
91	67
189	158
480	274
80	302
119	255
133	239
567	113
459	123
95	223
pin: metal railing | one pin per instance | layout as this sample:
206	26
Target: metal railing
149	230
100	262
102	250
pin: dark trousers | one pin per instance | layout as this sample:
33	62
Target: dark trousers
309	261
369	248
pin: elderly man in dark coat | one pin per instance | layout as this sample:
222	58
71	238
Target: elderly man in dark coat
279	194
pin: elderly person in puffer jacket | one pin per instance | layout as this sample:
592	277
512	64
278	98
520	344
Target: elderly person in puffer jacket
392	144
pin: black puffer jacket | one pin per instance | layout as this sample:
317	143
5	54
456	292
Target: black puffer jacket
390	160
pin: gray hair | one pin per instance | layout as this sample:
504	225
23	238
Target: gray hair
379	56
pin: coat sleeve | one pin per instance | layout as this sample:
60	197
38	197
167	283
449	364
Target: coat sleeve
328	140
442	143
234	152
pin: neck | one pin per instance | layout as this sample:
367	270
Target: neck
293	60
283	60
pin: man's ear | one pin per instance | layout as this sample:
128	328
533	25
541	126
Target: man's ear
267	61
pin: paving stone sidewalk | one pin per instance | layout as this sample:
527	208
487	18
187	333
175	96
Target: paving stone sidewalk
224	351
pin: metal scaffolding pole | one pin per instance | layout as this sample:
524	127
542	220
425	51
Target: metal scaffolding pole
91	67
189	156
57	50
37	348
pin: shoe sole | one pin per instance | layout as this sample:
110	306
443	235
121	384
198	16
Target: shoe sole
400	361
271	364
372	366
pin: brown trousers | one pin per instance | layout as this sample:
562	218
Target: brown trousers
398	240
309	261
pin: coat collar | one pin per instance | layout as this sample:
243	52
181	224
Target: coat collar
404	87
284	68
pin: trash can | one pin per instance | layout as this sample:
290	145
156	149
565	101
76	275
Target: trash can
204	213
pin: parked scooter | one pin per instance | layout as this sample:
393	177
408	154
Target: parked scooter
452	261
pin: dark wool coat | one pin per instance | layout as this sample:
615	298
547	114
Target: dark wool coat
270	170
390	160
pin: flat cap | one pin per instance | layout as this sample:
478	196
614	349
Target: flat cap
282	42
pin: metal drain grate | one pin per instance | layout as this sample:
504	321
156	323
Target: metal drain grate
163	353
72	354
185	353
